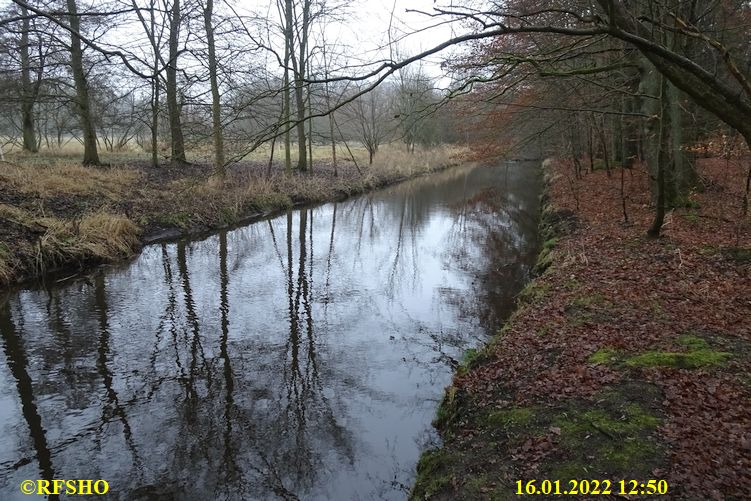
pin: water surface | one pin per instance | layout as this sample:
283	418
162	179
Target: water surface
300	357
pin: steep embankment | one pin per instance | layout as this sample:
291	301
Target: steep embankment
629	358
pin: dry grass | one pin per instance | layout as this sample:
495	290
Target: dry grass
6	265
68	179
58	213
99	236
397	161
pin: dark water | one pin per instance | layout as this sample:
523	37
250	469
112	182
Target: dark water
299	357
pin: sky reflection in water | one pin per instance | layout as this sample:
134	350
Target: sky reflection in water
299	357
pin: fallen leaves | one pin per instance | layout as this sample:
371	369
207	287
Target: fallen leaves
612	288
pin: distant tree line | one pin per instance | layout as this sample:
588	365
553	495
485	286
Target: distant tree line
168	75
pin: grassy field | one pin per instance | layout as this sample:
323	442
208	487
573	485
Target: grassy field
56	213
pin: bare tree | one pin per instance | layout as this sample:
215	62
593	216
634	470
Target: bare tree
216	109
176	129
83	103
370	116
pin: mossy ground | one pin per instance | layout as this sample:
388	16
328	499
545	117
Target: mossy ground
698	354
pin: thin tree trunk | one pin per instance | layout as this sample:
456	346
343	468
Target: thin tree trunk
216	109
176	130
302	150
662	160
90	152
27	92
271	158
328	107
299	74
310	131
155	122
288	42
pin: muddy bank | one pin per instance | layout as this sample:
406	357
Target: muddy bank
628	358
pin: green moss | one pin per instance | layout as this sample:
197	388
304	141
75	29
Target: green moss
550	244
630	420
534	292
589	300
633	420
690	360
545	329
741	255
578	318
472	358
469	356
603	356
448	408
572	284
546	257
691	216
568	470
514	417
432	474
474	486
228	215
628	455
693	342
179	219
611	438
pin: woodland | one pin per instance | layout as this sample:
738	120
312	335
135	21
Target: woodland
125	121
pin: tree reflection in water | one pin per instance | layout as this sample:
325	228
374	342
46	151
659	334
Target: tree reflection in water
300	357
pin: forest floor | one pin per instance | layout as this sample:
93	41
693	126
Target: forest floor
56	215
628	358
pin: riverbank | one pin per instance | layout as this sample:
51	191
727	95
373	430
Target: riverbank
628	358
58	215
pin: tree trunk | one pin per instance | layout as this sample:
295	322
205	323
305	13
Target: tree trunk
300	70
289	41
90	152
173	107
216	110
155	122
302	150
328	107
662	159
27	91
708	91
310	131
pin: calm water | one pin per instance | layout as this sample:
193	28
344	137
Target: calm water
302	357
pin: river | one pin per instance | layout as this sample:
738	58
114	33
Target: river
299	357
